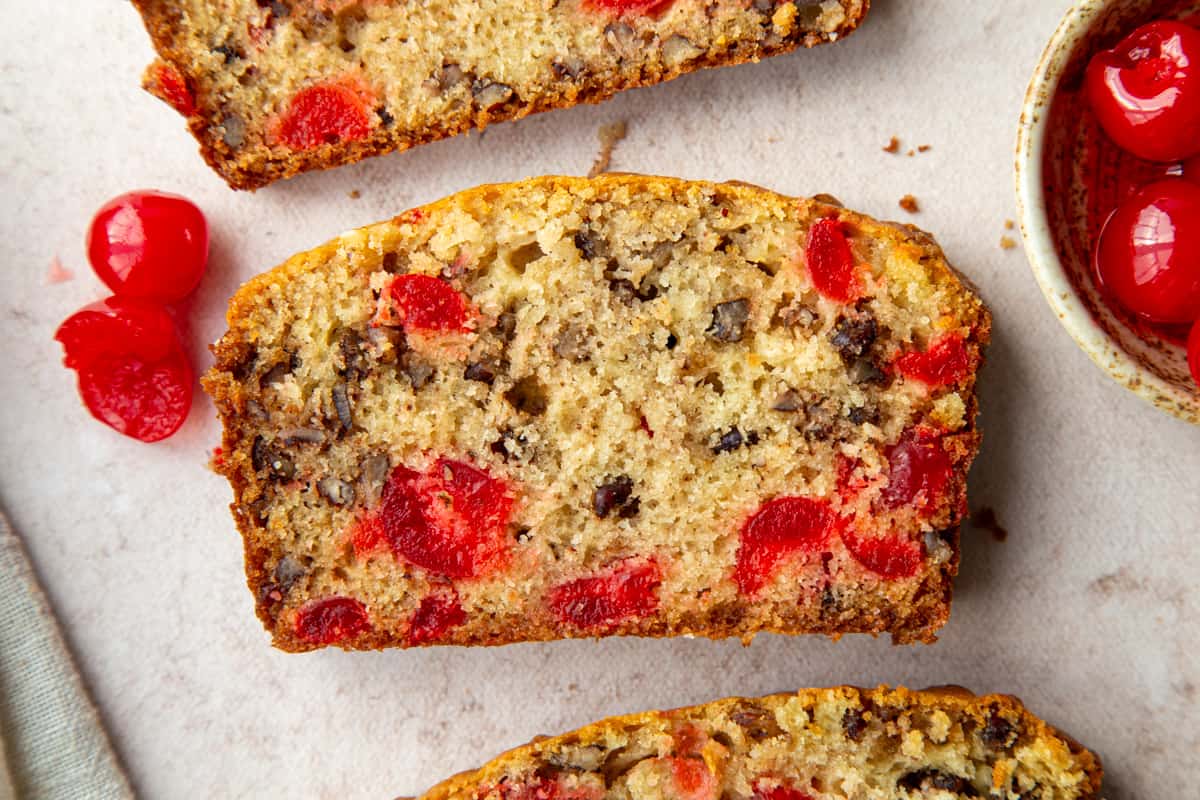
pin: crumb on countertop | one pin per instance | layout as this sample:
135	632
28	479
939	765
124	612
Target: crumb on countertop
1009	224
355	194
924	148
1007	243
909	204
609	135
893	146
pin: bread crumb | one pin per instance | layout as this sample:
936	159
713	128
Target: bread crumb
609	135
909	204
893	146
57	273
1009	224
355	194
911	153
1007	243
924	148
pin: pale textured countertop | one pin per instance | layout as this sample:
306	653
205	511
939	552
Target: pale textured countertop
1088	611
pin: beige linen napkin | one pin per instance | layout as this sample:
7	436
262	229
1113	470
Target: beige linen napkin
6	788
52	744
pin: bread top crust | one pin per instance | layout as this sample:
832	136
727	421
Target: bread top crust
1039	750
240	83
357	254
917	243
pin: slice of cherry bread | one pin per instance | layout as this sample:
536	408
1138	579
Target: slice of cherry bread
818	744
625	405
274	88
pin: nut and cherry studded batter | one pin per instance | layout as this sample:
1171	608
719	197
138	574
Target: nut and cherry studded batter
272	89
817	743
625	405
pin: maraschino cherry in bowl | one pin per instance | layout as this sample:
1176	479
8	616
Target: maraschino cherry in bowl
1108	185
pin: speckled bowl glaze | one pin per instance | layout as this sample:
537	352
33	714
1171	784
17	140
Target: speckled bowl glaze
1067	182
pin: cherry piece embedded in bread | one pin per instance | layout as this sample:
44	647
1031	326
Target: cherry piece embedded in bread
918	470
692	779
890	557
1146	91
134	375
327	113
831	261
780	528
331	620
1148	256
946	361
631	7
438	614
174	89
764	792
450	520
626	591
544	789
149	244
427	304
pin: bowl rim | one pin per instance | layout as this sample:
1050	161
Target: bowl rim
1040	248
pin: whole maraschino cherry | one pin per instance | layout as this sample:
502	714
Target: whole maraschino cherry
1145	92
150	245
1148	255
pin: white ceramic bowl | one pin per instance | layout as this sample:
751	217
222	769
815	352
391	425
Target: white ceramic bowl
1058	210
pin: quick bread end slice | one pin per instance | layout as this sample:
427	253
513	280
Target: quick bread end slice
576	407
273	89
817	744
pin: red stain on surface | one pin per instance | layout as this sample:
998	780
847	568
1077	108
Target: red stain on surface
57	273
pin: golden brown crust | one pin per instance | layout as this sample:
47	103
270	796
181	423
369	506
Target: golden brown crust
224	384
955	701
162	20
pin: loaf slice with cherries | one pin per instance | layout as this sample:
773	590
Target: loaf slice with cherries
272	89
818	744
575	407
